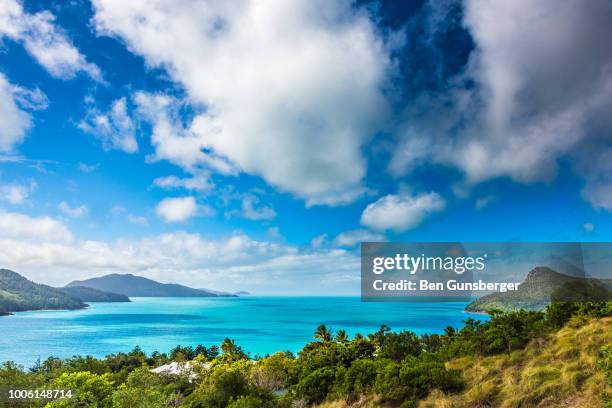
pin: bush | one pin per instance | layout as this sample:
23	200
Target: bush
359	378
315	386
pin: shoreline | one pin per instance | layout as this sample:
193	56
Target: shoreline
12	313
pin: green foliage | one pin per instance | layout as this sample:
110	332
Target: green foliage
398	346
605	364
359	378
89	390
315	386
220	388
142	389
323	334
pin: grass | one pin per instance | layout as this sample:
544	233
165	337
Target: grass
558	371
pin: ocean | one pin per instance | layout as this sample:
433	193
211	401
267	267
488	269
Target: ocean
260	325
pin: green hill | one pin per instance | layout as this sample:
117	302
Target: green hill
541	286
19	294
561	370
86	294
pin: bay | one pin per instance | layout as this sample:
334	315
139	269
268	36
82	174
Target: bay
261	325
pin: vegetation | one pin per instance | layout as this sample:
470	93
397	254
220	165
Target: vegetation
85	294
560	357
19	294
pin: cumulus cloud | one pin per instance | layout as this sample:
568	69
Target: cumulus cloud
540	91
177	209
252	210
19	226
354	237
199	182
289	92
172	140
401	212
14	122
73	212
46	42
588	227
16	193
44	250
116	129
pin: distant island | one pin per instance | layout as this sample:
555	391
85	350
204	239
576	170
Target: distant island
18	294
138	286
86	294
541	286
221	293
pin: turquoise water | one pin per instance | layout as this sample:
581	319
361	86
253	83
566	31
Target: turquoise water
260	325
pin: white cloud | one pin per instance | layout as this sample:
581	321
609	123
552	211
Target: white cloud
47	43
19	226
44	250
200	183
87	168
401	212
73	212
290	92
16	193
14	122
588	227
251	209
318	241
172	140
116	129
540	92
137	220
354	237
177	209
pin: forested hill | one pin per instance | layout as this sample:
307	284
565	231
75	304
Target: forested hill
86	294
19	294
541	286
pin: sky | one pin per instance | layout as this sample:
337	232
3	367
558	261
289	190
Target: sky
242	145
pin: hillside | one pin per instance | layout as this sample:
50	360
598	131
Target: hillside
542	285
138	286
19	294
560	371
86	294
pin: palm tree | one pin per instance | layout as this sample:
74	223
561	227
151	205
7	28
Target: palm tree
342	337
450	331
322	333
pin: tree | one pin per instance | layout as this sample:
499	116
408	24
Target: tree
316	385
341	336
323	334
359	378
89	390
397	346
229	348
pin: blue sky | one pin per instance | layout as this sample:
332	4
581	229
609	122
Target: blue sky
252	147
